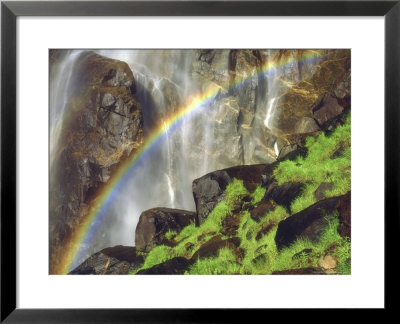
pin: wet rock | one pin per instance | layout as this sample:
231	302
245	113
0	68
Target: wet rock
156	222
102	126
212	247
173	266
302	271
263	208
300	99
319	194
115	260
308	223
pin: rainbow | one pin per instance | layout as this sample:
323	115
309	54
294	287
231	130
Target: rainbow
87	229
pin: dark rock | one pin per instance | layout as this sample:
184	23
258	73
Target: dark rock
155	222
212	247
208	191
290	152
300	254
345	215
115	260
327	110
263	208
230	225
266	228
173	266
320	192
303	271
308	223
284	194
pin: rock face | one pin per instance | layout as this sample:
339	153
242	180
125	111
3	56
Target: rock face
155	222
308	88
116	260
208	191
102	127
308	223
303	97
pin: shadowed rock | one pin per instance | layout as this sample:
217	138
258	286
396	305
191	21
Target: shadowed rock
284	194
308	223
115	260
155	222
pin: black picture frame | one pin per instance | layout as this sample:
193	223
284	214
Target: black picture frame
11	10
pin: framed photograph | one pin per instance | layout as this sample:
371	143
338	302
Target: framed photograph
187	153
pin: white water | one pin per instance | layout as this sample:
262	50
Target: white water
59	95
165	178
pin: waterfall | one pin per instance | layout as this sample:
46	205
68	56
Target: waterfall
60	84
163	85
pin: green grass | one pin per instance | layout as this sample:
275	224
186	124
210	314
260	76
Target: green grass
319	166
259	255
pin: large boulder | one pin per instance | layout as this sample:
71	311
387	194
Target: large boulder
208	191
115	260
102	126
156	222
309	223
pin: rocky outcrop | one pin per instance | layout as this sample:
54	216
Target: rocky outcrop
305	96
156	222
208	191
102	126
116	260
308	223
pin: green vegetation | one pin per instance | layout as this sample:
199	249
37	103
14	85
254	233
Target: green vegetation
328	160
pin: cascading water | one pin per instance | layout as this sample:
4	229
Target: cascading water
163	85
60	84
